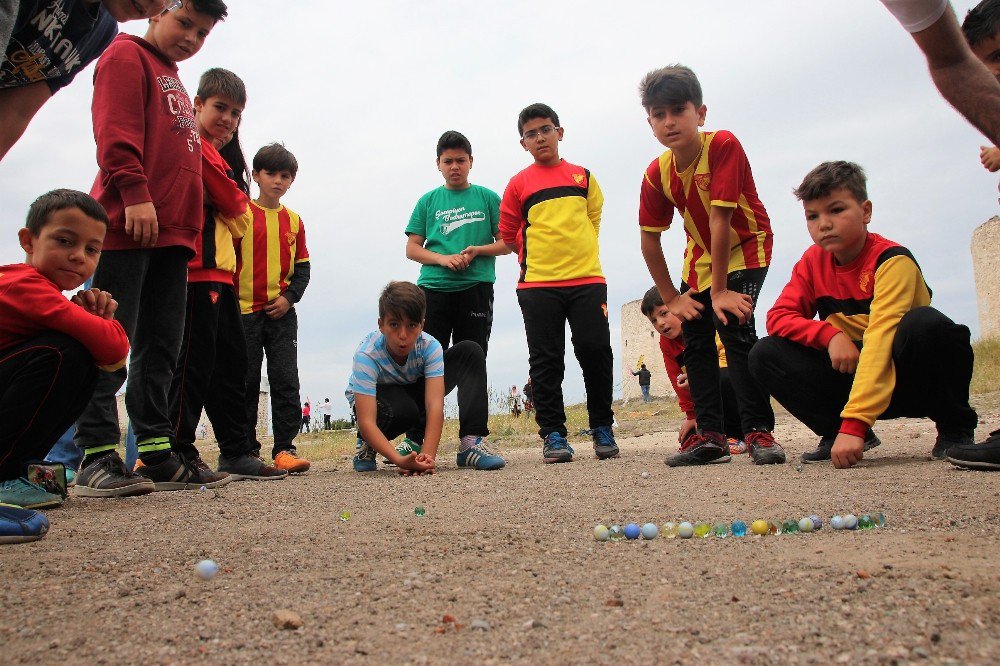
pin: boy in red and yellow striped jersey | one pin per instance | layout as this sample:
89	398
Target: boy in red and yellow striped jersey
706	177
878	350
272	272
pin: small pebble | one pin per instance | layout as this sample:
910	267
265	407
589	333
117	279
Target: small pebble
286	619
481	625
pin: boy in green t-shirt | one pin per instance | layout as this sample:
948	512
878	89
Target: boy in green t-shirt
453	232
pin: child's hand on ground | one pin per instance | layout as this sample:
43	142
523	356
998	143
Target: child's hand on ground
141	223
848	450
734	303
96	302
843	354
682	380
684	307
990	157
686	428
455	262
416	464
277	308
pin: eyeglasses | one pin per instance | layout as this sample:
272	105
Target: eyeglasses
531	135
173	5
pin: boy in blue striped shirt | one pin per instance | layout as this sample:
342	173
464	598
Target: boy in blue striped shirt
398	382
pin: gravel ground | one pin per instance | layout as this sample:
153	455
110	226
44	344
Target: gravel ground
504	566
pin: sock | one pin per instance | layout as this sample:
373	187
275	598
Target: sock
468	442
92	453
154	450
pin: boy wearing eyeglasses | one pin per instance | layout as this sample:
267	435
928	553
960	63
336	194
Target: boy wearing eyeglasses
550	215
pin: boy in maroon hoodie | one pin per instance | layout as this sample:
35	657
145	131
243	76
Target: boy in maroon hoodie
150	182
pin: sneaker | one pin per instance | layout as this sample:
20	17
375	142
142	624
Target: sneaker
555	449
364	457
248	467
71	477
763	449
604	442
736	446
107	477
478	456
946	440
27	495
706	448
985	455
823	452
408	446
176	473
19	525
291	463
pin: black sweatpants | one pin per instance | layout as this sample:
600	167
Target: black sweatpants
701	358
732	426
453	316
211	371
278	339
933	361
151	289
546	311
400	407
45	384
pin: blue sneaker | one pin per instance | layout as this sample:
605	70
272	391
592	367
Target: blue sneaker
479	455
364	457
27	495
604	442
19	525
555	449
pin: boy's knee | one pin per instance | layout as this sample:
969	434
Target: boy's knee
764	354
929	326
468	351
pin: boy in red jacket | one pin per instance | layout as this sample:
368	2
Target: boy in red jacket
877	350
150	182
50	347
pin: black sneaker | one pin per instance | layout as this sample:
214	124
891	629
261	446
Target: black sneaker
604	442
946	440
107	477
248	467
823	451
763	449
707	448
984	455
176	473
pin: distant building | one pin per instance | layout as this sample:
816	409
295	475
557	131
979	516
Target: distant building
986	269
640	340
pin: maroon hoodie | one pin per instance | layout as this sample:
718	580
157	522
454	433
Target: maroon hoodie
148	148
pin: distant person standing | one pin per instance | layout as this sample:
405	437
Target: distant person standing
326	409
644	378
306	416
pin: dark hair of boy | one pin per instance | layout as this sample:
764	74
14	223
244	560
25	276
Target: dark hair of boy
982	22
232	152
275	157
829	176
536	110
402	299
650	301
673	84
50	202
452	140
214	8
219	82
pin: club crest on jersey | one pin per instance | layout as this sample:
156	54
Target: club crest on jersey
865	281
579	178
213	296
703	181
290	238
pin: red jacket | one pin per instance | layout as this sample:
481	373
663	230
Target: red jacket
32	305
148	148
673	361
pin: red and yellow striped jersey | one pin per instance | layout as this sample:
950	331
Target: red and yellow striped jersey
267	254
719	176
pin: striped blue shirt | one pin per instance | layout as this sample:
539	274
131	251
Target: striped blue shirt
373	365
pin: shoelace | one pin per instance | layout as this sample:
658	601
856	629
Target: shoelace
760	438
603	436
558	444
692	441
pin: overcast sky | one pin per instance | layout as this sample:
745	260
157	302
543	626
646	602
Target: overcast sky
360	93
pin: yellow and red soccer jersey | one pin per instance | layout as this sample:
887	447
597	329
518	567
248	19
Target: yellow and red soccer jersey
865	300
720	176
267	255
553	216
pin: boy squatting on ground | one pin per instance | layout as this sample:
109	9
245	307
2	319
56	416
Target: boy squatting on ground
398	382
272	273
50	347
551	215
212	365
150	182
47	43
878	350
706	177
672	347
981	28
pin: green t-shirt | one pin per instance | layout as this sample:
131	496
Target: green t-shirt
450	221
